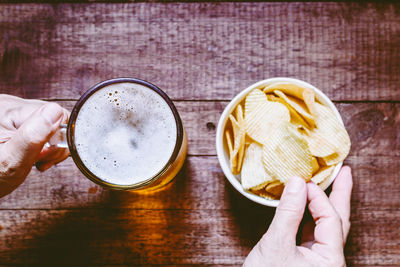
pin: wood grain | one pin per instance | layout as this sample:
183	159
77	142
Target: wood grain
201	54
53	215
79	238
201	50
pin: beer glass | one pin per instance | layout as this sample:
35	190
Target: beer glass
125	134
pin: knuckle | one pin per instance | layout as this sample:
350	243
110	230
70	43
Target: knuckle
3	165
264	248
288	207
8	168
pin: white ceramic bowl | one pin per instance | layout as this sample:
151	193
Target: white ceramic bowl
222	152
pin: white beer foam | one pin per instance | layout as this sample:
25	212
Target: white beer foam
125	133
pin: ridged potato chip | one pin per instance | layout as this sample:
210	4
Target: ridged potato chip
259	187
231	148
262	193
303	93
272	190
275	189
236	156
239	114
240	119
295	117
253	99
229	141
299	107
329	139
283	132
315	165
286	154
253	174
319	145
323	174
264	117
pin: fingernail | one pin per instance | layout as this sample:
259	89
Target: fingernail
295	184
52	112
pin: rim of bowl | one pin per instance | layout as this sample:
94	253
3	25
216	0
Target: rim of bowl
222	154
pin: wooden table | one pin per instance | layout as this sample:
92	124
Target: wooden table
201	54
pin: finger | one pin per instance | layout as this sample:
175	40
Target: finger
289	212
66	115
47	153
23	109
53	155
328	228
44	165
27	142
340	197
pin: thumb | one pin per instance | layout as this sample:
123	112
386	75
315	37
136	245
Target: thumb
31	136
289	212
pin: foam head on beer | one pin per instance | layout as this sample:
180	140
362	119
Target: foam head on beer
125	133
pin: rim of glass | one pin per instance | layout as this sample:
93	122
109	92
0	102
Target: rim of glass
71	136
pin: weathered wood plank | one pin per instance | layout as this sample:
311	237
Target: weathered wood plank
130	236
374	241
201	50
374	128
200	185
122	236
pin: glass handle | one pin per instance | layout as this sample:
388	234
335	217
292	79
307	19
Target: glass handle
59	139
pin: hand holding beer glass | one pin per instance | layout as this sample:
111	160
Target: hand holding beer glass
124	134
25	127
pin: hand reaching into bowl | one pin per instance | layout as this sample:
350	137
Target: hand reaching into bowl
321	245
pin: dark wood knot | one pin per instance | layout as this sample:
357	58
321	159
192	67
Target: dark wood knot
365	124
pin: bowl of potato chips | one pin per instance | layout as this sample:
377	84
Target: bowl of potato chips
276	129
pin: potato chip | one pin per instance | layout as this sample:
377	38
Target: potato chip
253	172
319	145
303	93
286	154
272	190
232	156
260	186
315	165
239	114
229	141
253	99
299	107
329	139
264	117
275	188
323	174
240	119
321	162
241	153
238	145
309	100
261	192
283	132
295	118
